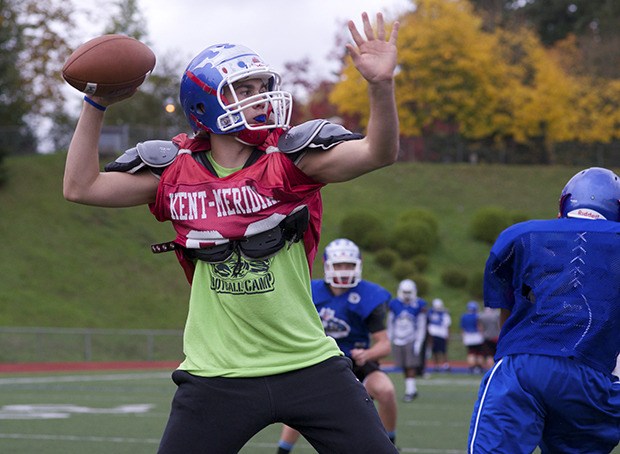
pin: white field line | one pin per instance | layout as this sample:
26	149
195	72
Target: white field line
48	437
82	378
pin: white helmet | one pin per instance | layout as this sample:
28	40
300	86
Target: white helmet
407	291
438	304
342	251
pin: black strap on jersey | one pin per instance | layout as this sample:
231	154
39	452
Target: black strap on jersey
256	247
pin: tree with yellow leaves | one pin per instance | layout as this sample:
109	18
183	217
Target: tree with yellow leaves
500	88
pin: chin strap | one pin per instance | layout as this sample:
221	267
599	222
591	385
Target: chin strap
252	137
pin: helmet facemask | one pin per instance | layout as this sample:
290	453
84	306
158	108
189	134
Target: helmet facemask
339	252
278	104
343	278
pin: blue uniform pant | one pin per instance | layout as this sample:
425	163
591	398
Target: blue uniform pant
556	403
325	403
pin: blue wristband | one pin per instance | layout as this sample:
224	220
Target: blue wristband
94	104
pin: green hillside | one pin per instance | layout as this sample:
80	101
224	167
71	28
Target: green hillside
67	265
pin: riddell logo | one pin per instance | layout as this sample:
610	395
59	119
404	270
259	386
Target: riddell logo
585	214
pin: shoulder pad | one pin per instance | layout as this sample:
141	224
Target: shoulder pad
314	134
154	154
157	153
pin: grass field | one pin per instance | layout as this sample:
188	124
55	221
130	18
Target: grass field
125	413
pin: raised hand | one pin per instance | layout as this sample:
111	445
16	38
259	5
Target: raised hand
373	56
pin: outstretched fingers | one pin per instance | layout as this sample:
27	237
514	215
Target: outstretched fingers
380	28
394	33
369	32
357	38
368	29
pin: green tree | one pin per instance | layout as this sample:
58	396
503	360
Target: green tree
32	52
13	106
594	22
128	20
45	29
148	107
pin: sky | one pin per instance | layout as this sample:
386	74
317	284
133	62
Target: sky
278	30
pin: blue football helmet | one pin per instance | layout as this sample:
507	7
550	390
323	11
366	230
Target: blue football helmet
208	109
593	193
342	251
472	306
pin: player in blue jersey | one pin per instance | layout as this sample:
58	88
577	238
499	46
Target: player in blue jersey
439	322
473	340
556	284
353	312
407	333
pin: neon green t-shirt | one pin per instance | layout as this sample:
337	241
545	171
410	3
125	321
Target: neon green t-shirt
252	318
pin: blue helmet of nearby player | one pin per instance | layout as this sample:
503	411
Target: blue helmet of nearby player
208	108
472	306
593	193
338	252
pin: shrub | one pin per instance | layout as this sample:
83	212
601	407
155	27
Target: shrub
386	257
363	228
411	238
454	278
517	216
375	239
420	214
487	223
421	262
423	286
403	269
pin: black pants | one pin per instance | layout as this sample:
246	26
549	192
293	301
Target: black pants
325	402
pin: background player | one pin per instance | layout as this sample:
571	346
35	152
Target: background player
556	283
439	322
473	340
489	324
407	333
353	312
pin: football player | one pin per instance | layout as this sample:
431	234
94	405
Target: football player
243	196
353	312
407	333
556	285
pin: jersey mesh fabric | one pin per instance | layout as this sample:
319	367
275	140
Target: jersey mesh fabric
206	210
261	322
564	294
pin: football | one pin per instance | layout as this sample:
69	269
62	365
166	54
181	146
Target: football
110	65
